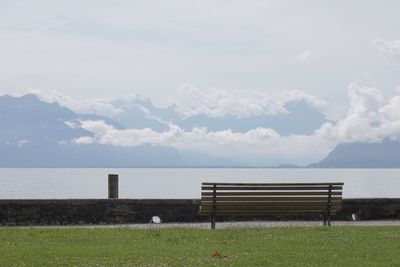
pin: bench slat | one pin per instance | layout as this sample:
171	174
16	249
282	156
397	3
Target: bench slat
273	184
298	188
262	193
321	209
266	203
276	202
218	199
260	213
271	207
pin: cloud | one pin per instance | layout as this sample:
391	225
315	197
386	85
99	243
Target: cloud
369	119
107	134
216	102
191	101
83	140
98	107
258	146
175	136
23	142
306	57
389	48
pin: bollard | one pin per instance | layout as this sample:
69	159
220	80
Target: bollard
113	186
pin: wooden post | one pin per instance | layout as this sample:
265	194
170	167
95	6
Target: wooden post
113	186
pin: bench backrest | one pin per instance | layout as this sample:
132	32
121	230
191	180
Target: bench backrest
247	199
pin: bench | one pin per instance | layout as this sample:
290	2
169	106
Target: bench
258	199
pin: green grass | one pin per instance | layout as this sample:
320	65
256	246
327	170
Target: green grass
315	246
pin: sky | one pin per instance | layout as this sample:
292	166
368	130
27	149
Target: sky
110	49
219	58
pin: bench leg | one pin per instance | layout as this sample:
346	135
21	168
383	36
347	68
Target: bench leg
327	219
212	222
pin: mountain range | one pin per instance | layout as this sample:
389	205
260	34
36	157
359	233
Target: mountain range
385	154
35	133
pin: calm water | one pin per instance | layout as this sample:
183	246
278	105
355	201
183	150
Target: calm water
183	183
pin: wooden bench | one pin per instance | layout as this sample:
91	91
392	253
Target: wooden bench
250	199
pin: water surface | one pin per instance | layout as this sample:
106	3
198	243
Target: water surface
184	183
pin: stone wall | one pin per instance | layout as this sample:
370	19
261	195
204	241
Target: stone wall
119	211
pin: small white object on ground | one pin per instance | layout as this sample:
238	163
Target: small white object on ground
155	219
355	217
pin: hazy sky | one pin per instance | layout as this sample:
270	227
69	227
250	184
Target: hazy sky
109	49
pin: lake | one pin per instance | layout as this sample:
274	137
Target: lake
184	183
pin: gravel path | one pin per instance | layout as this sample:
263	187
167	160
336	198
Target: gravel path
224	225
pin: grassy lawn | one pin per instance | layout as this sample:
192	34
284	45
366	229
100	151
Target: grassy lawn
357	246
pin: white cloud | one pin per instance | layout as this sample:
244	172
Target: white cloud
83	140
389	48
257	146
99	107
107	134
190	101
215	102
306	57
23	142
369	119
